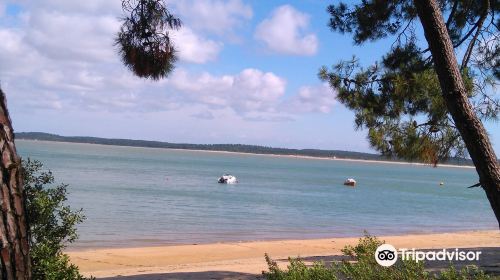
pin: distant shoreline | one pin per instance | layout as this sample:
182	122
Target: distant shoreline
265	154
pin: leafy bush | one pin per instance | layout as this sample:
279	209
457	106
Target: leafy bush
466	273
52	224
366	267
298	270
361	265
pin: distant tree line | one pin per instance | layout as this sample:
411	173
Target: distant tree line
239	148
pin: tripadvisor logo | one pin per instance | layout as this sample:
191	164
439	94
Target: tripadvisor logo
386	255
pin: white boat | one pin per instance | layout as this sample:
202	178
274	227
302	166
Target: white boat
350	182
227	179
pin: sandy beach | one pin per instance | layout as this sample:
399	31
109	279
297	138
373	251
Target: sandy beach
245	260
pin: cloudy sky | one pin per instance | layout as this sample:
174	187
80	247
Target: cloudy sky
247	74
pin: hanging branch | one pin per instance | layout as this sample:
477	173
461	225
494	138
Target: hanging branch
144	42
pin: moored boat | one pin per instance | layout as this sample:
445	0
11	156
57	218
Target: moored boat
350	182
227	179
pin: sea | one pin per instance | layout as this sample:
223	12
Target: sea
135	197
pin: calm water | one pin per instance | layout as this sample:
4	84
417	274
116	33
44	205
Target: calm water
142	196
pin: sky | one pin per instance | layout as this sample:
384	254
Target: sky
247	73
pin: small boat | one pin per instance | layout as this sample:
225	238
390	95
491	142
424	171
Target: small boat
227	179
350	182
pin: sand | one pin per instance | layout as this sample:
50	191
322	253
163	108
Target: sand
245	260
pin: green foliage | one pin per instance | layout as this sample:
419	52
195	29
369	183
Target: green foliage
297	270
399	102
399	99
52	224
361	265
365	266
466	273
372	20
144	42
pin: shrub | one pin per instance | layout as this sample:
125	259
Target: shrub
466	273
366	268
361	265
298	270
52	224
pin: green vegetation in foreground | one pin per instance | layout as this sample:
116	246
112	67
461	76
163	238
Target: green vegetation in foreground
364	267
238	148
52	224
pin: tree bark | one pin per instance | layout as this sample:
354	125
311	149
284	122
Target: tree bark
454	93
15	261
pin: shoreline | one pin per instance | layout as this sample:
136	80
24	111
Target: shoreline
368	161
248	257
81	247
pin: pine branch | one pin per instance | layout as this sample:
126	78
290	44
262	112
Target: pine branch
478	25
452	13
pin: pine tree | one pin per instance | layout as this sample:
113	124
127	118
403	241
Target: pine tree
417	103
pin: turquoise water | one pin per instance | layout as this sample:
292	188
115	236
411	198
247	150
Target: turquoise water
143	196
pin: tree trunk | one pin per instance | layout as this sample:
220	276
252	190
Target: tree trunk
14	243
468	124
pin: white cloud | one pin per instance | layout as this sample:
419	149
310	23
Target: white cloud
15	55
71	36
60	56
193	48
311	99
85	30
284	32
94	7
216	16
248	91
252	93
204	115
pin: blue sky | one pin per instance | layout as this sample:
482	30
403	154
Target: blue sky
247	74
